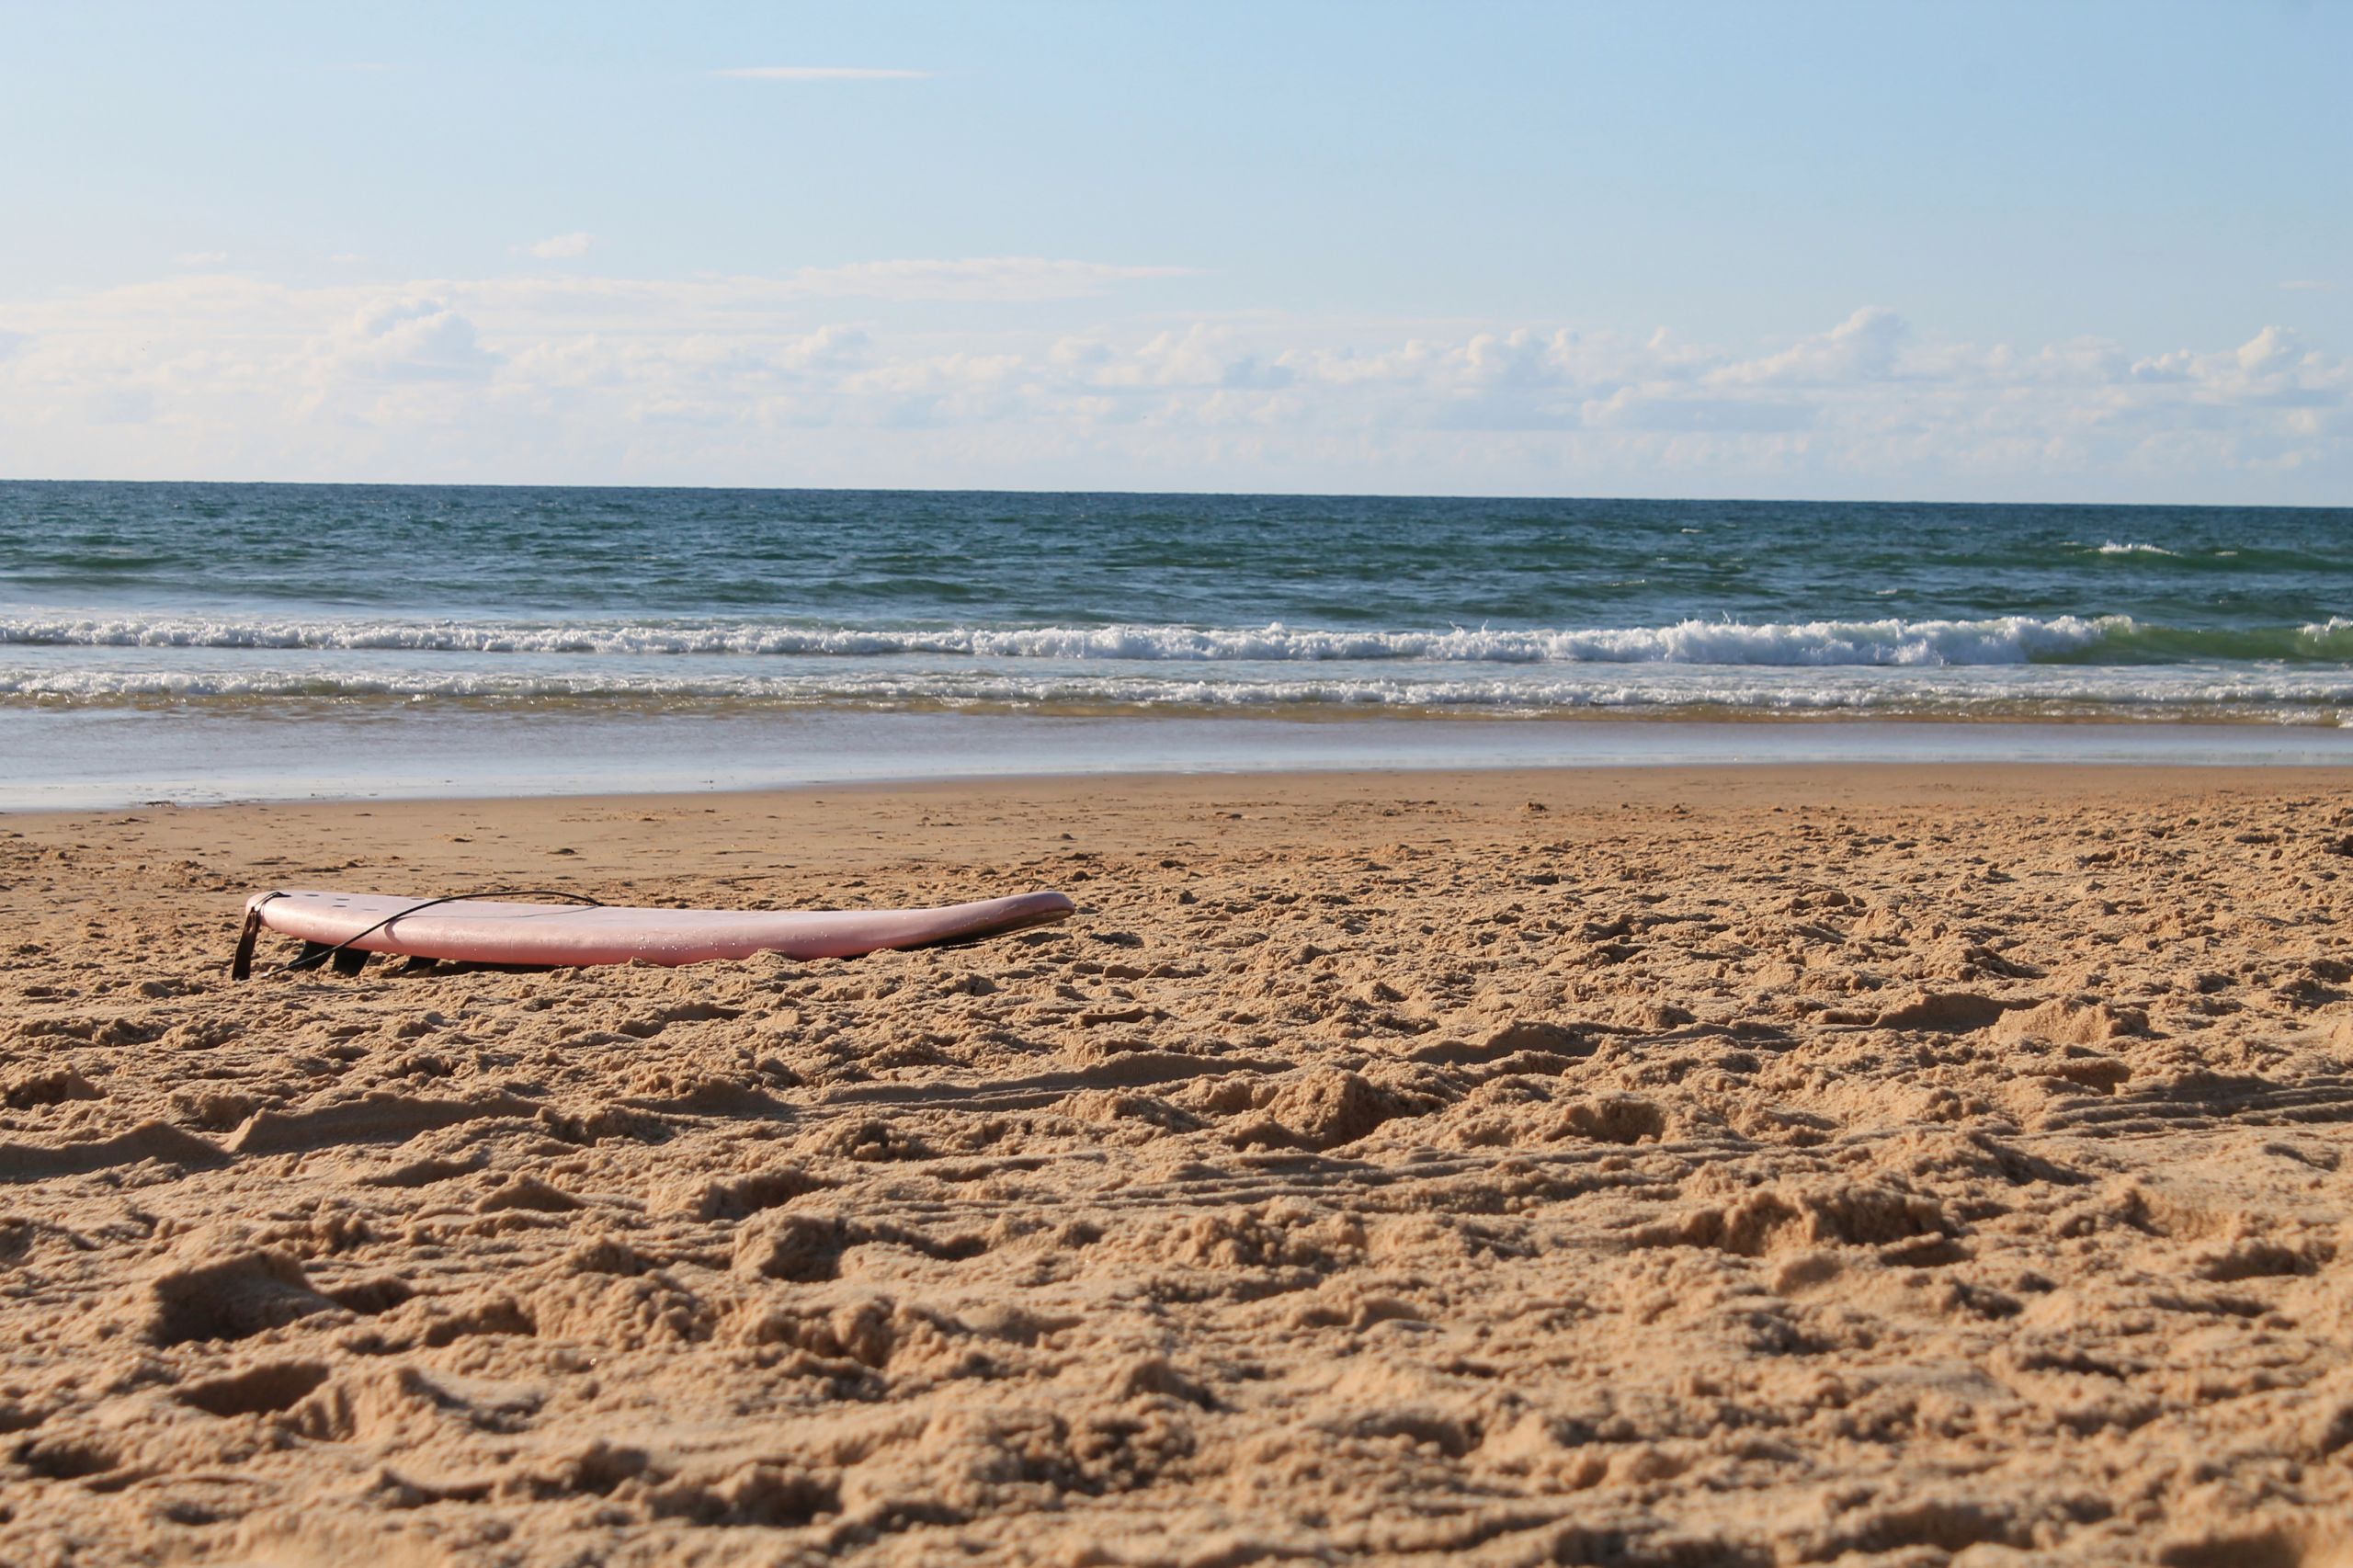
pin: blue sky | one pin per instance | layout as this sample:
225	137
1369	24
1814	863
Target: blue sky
2091	252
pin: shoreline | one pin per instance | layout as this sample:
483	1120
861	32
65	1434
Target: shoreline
127	760
1801	784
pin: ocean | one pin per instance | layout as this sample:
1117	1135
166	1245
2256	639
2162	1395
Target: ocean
216	641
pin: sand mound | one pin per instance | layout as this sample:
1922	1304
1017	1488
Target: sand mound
205	1295
2068	1023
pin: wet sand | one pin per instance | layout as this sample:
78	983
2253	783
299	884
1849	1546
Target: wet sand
1878	1166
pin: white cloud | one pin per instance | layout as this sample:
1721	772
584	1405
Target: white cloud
824	74
2315	284
202	258
1077	351
1012	371
556	247
2273	348
403	339
1861	347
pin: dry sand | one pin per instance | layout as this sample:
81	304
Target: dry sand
1749	1166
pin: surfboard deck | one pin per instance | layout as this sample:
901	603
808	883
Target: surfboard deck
483	931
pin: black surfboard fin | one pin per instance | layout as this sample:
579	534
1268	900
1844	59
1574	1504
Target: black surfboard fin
312	955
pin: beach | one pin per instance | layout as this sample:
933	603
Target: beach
1870	1163
1591	768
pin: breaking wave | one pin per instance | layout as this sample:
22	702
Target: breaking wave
2005	640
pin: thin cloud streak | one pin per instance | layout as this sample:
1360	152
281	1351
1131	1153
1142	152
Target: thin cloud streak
824	74
558	247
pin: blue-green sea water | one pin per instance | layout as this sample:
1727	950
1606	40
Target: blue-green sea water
206	593
401	606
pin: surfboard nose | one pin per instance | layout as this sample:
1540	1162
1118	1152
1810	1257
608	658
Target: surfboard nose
1055	904
998	917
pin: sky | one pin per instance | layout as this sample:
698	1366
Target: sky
1957	252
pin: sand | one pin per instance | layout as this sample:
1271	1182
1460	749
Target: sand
1751	1166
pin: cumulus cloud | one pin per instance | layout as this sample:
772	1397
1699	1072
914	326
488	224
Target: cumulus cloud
824	74
557	247
1862	348
1000	371
405	339
2273	348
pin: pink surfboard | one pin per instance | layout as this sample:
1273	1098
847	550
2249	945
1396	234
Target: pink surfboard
482	931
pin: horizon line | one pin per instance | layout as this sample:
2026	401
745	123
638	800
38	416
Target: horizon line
1270	494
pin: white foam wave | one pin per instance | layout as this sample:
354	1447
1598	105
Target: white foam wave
2006	639
1882	691
2113	548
